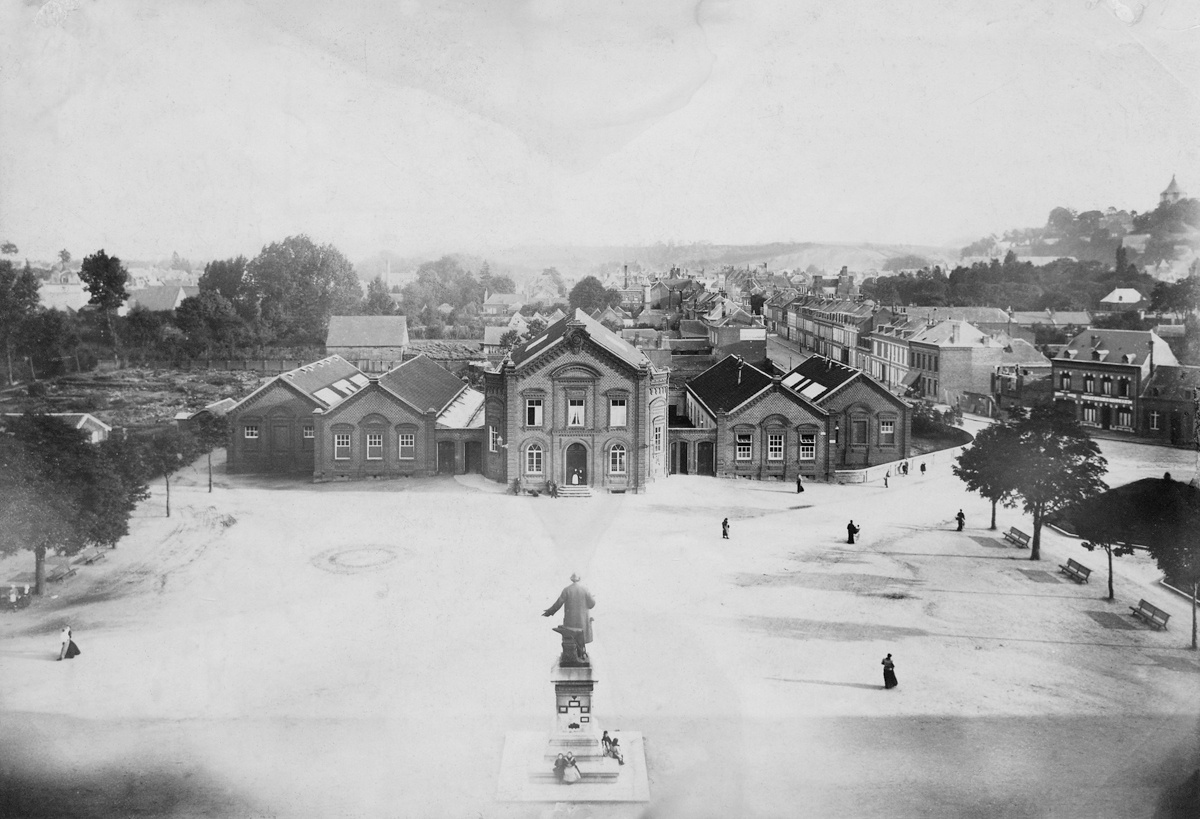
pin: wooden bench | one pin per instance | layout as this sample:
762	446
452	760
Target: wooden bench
1017	537
1076	571
59	571
89	556
1151	613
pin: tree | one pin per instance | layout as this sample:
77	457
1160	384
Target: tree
225	276
509	339
1054	464
211	431
64	257
105	278
129	472
1175	541
165	453
18	301
48	338
8	249
1110	523
299	285
536	327
985	466
378	301
589	294
209	319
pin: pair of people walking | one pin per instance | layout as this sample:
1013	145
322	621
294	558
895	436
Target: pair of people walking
566	769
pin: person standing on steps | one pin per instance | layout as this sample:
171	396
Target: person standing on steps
725	529
889	672
851	531
961	518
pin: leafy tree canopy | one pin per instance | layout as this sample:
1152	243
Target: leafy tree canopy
299	284
589	294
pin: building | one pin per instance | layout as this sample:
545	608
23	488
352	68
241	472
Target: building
497	307
576	405
1102	373
1170	406
91	426
1172	194
415	420
161	297
371	343
1122	299
272	429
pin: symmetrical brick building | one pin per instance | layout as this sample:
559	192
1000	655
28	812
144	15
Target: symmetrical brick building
577	405
1103	373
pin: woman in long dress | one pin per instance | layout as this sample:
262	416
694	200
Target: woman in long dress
889	672
571	773
560	765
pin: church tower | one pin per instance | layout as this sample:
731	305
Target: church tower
1172	194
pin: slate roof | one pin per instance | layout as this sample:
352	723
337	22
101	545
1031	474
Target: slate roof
162	297
1021	352
818	377
722	387
492	334
1079	318
952	334
503	298
423	383
1173	383
692	328
1123	295
367	331
326	382
974	315
1117	347
600	334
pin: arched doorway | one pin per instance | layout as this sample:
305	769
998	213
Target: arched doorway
576	465
704	458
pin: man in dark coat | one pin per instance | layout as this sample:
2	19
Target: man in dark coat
725	529
961	518
851	531
576	601
799	485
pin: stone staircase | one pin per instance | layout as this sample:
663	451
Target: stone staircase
580	491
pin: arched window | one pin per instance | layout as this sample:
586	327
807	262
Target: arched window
533	459
616	459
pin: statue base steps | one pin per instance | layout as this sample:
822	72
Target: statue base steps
527	769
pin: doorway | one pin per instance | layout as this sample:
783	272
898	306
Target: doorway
474	454
445	457
704	458
576	466
281	447
682	464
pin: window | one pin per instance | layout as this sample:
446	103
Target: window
533	459
887	433
616	412
1106	386
574	412
935	365
533	412
658	436
1123	387
1089	383
1090	415
616	460
408	446
808	446
1155	419
745	446
1064	381
493	440
374	446
858	431
250	432
775	446
307	432
341	446
1124	418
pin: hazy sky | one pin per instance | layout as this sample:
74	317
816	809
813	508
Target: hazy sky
212	128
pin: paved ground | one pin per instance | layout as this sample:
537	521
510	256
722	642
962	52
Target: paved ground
278	649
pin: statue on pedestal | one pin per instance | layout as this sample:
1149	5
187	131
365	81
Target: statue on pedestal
576	628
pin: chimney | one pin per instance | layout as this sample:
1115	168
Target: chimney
739	363
1150	344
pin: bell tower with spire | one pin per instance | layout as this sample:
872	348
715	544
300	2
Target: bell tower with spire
1172	194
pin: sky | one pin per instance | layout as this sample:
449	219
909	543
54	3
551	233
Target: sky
421	127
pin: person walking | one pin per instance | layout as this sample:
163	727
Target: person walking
961	518
725	529
67	648
799	484
886	475
851	531
922	469
889	672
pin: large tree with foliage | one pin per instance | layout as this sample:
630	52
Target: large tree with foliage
225	276
49	338
589	294
378	301
1055	464
299	284
105	278
209	320
1110	523
1175	541
985	466
18	301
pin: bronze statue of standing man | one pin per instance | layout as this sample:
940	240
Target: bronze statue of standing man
576	629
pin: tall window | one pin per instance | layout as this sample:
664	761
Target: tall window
408	446
1089	383
745	446
808	446
250	432
341	446
858	431
1123	387
533	412
574	412
775	446
374	446
1155	420
1106	386
533	459
493	440
1124	418
1090	414
1064	381
887	433
658	438
616	460
616	412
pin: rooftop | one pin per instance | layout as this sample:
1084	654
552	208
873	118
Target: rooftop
423	383
367	331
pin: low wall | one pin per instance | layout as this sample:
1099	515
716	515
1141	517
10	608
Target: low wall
876	473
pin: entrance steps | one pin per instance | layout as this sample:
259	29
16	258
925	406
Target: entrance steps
568	491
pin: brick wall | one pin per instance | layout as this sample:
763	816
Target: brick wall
775	412
279	416
374	411
867	401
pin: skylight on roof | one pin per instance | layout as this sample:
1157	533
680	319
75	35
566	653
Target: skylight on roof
345	386
812	390
328	396
360	379
792	380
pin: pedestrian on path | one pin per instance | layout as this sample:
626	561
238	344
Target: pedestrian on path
851	531
922	469
799	485
725	529
889	672
67	648
886	475
961	518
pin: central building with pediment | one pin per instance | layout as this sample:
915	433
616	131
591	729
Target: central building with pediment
576	406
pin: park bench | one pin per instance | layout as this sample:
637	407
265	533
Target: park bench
89	556
59	571
1017	537
1151	614
1076	571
